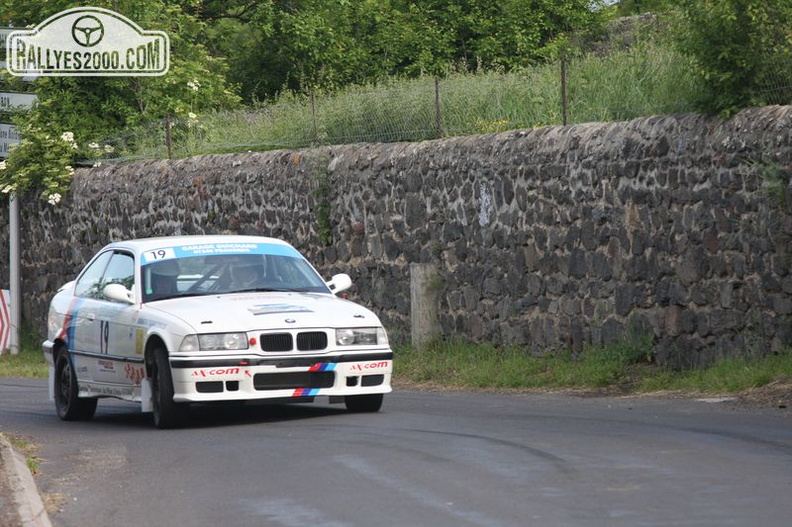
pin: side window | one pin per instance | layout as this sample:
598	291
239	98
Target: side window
120	270
89	283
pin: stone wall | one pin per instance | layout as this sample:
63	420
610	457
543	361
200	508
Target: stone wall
549	238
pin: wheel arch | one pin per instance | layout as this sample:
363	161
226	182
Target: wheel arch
58	347
154	343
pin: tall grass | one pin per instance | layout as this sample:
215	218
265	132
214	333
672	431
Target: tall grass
463	365
621	367
726	376
649	77
29	362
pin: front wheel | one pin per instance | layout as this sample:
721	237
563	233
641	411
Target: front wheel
167	413
364	403
69	405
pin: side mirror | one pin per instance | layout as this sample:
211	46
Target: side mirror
339	282
67	285
119	293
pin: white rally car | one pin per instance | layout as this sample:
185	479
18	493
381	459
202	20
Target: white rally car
166	322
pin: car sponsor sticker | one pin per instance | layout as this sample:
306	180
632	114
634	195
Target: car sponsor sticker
370	366
186	251
105	366
269	309
134	373
220	373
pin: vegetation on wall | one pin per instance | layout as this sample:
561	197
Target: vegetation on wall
253	55
742	49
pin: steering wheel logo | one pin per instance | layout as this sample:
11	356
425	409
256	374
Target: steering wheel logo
87	31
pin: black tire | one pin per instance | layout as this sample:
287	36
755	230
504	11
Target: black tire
167	413
364	403
69	405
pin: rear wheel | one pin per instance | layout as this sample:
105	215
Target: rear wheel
364	403
167	413
69	405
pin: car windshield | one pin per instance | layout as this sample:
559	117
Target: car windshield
177	272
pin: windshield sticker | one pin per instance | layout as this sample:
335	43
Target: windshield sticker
158	254
269	309
186	251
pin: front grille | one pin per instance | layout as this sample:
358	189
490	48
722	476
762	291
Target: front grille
294	380
306	341
312	341
277	342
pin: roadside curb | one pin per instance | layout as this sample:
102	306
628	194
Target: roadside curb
28	502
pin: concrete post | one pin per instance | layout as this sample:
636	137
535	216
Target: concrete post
425	286
13	263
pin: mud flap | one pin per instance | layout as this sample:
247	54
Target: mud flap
51	383
146	403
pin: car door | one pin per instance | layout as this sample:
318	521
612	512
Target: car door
119	341
103	339
82	329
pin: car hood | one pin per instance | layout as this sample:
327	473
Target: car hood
256	311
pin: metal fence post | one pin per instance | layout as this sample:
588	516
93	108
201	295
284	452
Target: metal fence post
315	130
168	141
438	110
564	87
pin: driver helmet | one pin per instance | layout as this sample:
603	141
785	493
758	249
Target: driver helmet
246	274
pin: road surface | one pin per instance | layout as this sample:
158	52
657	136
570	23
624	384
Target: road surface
427	459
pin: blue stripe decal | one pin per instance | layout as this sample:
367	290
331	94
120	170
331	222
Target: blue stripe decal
71	316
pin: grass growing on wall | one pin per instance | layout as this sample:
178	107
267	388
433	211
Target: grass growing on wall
650	77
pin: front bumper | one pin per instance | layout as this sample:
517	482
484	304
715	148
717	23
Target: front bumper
254	378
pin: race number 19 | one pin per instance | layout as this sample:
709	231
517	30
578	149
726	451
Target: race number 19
158	254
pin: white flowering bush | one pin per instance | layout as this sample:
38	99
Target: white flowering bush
41	161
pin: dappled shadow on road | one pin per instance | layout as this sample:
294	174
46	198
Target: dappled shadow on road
216	415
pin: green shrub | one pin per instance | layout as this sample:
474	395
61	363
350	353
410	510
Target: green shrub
741	50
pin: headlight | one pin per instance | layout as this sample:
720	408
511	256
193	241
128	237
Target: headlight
214	342
361	337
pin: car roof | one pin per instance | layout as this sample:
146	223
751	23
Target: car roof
141	245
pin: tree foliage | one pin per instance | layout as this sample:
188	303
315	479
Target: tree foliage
89	109
303	45
738	47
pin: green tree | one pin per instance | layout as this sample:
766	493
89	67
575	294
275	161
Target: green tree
741	49
639	7
306	44
89	109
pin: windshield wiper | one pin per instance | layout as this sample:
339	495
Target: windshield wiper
260	290
180	295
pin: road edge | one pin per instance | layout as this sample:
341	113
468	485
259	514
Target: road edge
28	501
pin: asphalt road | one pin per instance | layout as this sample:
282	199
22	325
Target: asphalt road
427	459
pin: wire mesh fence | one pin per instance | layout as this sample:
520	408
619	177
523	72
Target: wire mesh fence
642	80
